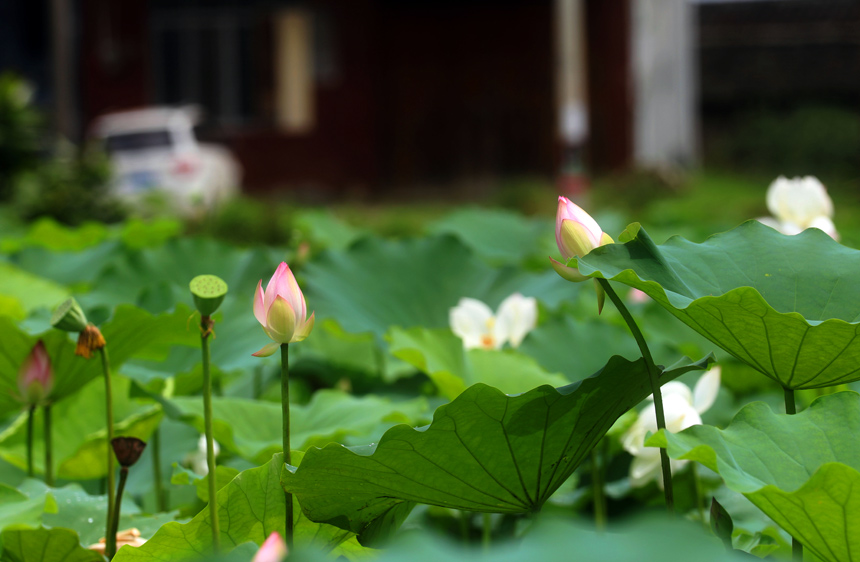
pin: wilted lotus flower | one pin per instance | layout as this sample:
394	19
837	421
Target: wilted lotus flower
474	323
274	549
282	311
682	409
798	204
130	537
35	378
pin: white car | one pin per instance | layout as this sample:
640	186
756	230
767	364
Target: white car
154	152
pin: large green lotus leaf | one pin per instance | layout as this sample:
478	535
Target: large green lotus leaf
577	347
72	508
485	451
440	355
497	235
252	429
30	291
800	470
785	305
78	429
45	545
376	283
556	540
250	508
69	268
20	508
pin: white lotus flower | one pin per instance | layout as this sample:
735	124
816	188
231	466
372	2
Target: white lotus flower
682	409
197	459
798	204
474	323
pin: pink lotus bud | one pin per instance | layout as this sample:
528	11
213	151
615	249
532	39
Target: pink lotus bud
273	550
576	234
35	379
282	311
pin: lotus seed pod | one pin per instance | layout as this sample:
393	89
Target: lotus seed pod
127	450
69	317
208	292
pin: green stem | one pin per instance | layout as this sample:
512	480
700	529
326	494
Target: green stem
30	415
697	490
109	540
155	447
653	376
487	531
110	546
796	550
791	408
597	489
285	416
790	405
205	330
49	461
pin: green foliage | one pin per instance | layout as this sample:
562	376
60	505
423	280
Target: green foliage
485	451
801	470
440	354
778	303
20	131
71	187
250	507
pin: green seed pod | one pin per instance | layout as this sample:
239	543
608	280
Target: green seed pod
208	292
69	317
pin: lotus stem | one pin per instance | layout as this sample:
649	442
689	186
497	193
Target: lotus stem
155	447
597	490
653	376
110	540
49	461
697	490
30	413
285	415
790	404
791	409
206	324
487	532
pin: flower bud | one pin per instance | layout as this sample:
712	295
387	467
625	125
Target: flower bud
282	310
35	378
273	549
69	317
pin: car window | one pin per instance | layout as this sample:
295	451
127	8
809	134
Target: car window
138	141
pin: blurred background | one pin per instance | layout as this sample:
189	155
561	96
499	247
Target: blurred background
509	102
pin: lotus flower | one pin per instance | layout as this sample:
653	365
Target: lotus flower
282	311
273	549
798	204
197	459
474	323
576	234
35	378
682	409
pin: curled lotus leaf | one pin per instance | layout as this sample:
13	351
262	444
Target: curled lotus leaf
785	305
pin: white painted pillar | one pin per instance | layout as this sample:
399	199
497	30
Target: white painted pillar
665	114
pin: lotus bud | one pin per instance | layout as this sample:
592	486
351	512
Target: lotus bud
35	378
282	311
